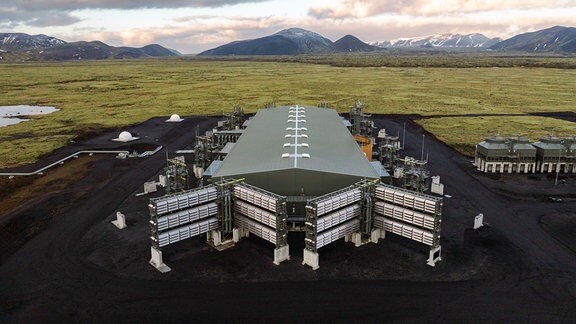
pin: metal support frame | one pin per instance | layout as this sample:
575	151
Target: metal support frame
367	216
311	227
226	204
235	119
153	224
388	152
361	122
415	173
281	223
177	175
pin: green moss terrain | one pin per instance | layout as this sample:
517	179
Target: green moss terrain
112	94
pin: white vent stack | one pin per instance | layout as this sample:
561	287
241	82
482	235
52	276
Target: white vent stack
174	119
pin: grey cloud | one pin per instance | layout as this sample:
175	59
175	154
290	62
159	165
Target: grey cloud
350	9
69	5
53	18
44	13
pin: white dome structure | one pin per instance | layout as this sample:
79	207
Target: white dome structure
175	118
125	137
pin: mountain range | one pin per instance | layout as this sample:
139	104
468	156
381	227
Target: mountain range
478	41
292	41
299	41
555	39
24	47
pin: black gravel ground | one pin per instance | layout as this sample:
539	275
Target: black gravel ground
521	267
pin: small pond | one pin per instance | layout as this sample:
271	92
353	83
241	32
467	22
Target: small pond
10	115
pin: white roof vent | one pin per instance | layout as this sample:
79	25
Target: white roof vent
175	119
125	137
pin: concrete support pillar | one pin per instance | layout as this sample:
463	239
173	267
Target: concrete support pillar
214	238
281	254
120	221
356	238
311	259
376	235
236	235
434	256
156	260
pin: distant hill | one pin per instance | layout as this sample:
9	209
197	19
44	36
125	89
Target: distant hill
100	51
286	42
351	43
441	41
25	47
555	39
18	41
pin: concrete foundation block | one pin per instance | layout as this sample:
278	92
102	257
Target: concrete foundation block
376	235
434	256
150	187
214	237
437	188
281	254
478	221
120	221
156	260
162	180
236	235
311	259
356	238
244	232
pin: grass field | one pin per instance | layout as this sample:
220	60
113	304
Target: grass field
112	94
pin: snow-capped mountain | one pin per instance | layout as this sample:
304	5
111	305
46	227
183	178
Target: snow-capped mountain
303	36
555	39
443	40
20	41
286	42
24	47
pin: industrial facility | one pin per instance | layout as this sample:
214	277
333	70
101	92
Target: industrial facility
497	154
296	168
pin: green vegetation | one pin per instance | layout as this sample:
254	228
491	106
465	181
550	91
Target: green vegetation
112	94
419	58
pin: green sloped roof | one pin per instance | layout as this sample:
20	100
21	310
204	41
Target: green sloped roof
330	146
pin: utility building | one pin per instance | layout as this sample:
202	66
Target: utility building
297	152
498	154
556	154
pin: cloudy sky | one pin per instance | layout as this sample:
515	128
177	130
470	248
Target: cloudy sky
191	26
